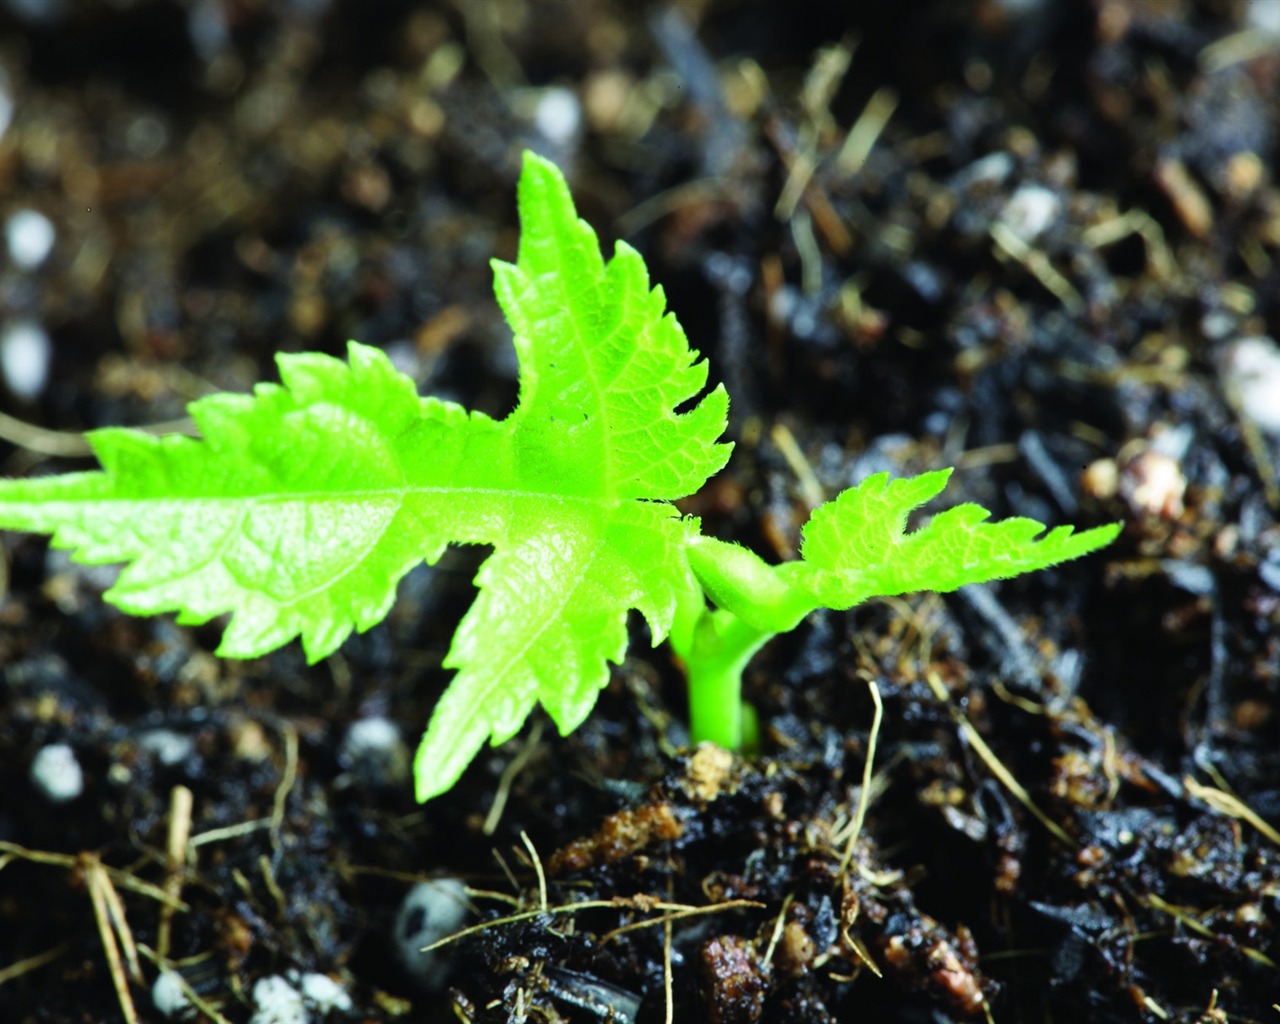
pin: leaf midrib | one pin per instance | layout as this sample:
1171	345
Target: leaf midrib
344	495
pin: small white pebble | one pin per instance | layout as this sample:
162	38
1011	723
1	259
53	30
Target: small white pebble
558	115
430	911
1263	16
991	169
1250	372
323	993
1152	484
167	995
25	352
277	1002
57	774
374	734
30	237
1101	479
207	28
169	747
1217	325
374	748
1030	211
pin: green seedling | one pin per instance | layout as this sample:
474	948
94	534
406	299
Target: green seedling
301	505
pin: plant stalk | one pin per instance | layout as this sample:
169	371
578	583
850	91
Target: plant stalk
722	646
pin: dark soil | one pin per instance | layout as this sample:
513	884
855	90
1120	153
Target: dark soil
1037	241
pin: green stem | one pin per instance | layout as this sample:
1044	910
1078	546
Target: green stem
722	645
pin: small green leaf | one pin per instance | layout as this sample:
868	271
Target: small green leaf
856	546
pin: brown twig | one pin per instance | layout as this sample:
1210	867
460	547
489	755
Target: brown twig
639	902
537	867
19	968
180	807
107	915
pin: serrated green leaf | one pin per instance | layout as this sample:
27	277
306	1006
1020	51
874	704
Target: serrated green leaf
304	503
602	365
298	512
551	612
857	547
603	368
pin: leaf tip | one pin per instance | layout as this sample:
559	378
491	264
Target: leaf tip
1101	536
541	180
935	480
436	772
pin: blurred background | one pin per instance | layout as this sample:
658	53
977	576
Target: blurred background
1035	239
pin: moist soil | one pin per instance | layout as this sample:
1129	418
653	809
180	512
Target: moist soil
1036	241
